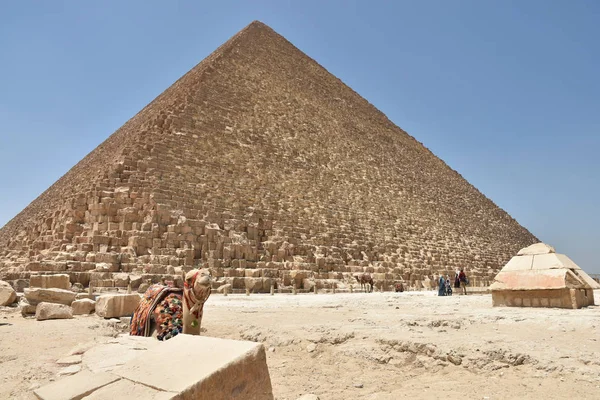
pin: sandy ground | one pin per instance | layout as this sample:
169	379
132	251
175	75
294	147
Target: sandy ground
362	346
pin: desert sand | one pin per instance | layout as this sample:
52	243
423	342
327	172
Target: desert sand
360	346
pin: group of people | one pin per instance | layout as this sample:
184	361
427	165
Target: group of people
460	281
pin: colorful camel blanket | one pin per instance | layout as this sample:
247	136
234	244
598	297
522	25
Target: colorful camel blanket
164	305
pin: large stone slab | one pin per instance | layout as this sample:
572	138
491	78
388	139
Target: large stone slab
60	296
127	390
7	294
44	311
58	281
117	352
229	369
75	387
117	305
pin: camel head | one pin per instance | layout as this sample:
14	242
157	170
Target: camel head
198	279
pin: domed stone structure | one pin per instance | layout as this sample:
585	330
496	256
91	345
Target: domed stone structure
539	277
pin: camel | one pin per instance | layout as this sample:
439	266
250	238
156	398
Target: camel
365	280
166	311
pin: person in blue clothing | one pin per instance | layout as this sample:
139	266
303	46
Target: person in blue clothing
442	286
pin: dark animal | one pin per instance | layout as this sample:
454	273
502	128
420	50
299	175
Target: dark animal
366	282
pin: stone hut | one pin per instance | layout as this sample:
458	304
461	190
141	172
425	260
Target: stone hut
539	277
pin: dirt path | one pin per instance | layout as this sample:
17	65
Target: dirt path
363	346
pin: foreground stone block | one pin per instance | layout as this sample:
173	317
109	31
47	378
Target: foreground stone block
75	387
44	311
230	369
125	389
59	281
130	367
7	294
83	306
60	296
117	305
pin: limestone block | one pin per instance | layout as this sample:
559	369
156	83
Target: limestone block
121	279
44	311
254	284
108	356
75	387
117	305
231	369
59	281
60	296
8	295
83	306
123	390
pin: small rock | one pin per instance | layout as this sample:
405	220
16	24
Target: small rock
77	287
311	347
456	360
27	309
81	348
70	370
359	385
83	307
272	349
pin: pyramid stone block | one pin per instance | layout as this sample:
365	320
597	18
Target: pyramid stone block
259	158
75	387
60	281
117	305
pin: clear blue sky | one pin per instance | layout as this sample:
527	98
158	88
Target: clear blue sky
506	92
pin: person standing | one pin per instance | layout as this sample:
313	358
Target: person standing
456	280
462	277
442	286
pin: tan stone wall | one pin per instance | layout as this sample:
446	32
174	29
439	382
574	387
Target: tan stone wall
262	166
555	298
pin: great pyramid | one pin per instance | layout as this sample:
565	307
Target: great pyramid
263	166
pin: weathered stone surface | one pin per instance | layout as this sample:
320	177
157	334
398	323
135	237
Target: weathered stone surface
83	306
123	390
181	184
59	281
75	387
44	311
106	357
117	305
60	296
535	249
231	369
8	295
